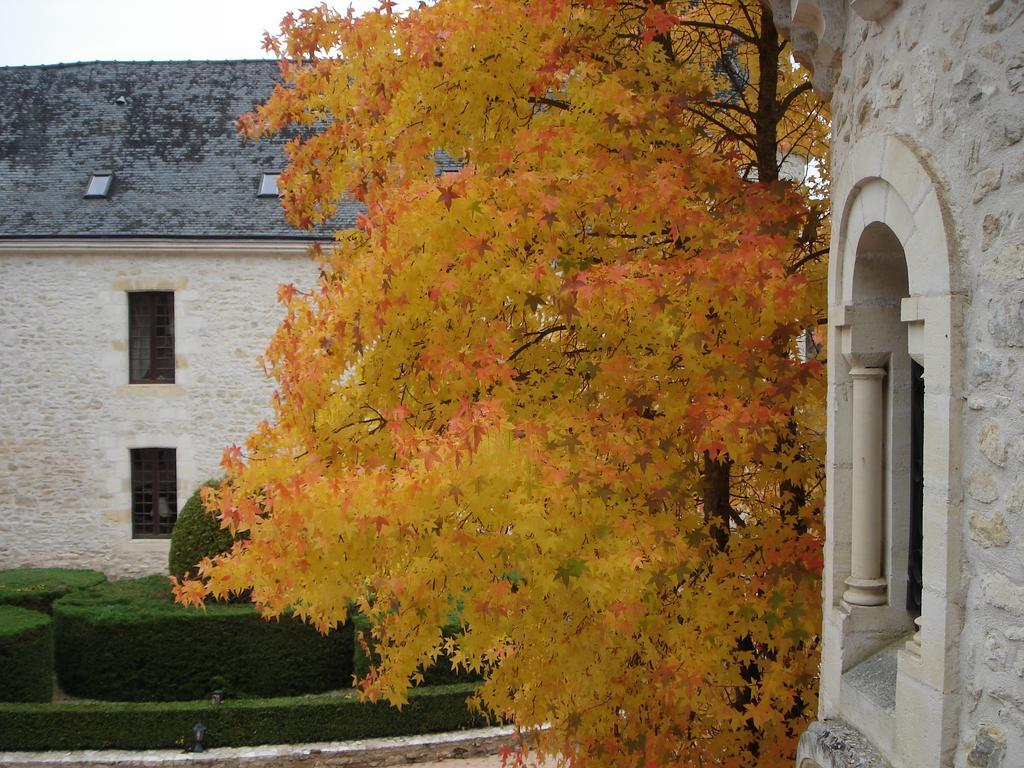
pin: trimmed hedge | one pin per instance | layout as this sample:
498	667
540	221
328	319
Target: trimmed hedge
26	655
37	588
128	641
233	723
196	534
439	673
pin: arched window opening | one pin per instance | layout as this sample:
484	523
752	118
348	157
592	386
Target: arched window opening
880	270
897	301
884	441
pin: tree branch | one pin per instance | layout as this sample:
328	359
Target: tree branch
792	269
792	95
549	102
537	337
736	31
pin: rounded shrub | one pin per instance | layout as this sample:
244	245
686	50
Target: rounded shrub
26	655
37	588
129	641
196	534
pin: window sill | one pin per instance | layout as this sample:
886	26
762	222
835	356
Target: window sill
150	544
875	678
868	699
154	390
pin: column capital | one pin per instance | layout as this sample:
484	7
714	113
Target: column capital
866	333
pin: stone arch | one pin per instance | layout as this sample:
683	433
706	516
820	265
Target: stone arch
896	298
884	181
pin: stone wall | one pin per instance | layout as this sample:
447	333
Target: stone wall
69	414
948	78
929	97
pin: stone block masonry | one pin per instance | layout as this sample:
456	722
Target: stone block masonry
927	105
70	416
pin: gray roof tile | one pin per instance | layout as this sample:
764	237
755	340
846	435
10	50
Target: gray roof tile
180	169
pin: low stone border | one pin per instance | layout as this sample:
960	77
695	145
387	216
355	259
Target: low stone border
369	753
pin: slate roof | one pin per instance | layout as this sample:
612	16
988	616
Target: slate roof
180	169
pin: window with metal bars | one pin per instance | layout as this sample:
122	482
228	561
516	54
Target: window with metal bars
151	337
154	492
915	555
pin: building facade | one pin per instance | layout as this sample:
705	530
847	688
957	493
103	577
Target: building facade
141	246
923	637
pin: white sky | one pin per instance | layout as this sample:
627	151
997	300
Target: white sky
53	31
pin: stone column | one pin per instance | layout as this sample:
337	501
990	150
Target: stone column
866	584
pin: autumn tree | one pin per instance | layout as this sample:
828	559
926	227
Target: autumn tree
503	396
762	105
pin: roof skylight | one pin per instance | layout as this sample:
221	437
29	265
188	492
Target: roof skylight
99	184
268	185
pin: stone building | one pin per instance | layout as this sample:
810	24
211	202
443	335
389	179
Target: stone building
923	638
141	245
126	198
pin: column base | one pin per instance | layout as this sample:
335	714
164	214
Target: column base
865	591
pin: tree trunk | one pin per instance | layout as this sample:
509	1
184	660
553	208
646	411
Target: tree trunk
717	508
767	119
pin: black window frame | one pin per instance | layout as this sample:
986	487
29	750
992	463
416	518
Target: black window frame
157	363
154	475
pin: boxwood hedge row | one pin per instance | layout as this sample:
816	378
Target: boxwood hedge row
128	641
439	673
37	588
168	725
26	655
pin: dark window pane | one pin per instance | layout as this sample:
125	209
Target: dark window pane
151	337
139	323
154	492
166	492
915	555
